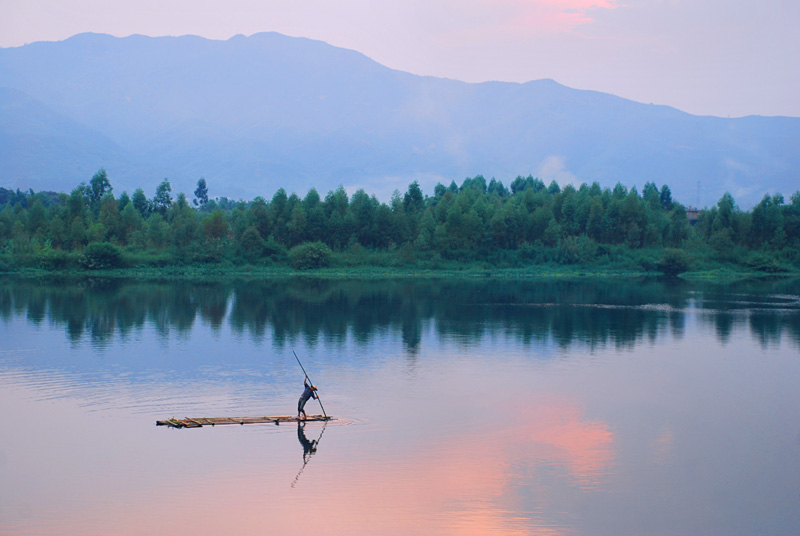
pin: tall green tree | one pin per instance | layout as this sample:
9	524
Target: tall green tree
201	193
140	202
99	185
163	198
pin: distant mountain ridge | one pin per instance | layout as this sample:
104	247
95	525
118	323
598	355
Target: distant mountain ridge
252	114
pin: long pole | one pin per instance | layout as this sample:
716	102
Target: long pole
312	383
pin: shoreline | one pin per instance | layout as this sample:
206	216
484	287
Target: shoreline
388	273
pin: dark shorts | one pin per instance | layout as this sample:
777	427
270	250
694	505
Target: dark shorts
301	404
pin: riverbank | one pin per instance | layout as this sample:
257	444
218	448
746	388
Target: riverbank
222	272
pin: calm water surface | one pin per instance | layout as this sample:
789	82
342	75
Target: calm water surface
538	407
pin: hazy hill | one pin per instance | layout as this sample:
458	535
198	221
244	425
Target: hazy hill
251	114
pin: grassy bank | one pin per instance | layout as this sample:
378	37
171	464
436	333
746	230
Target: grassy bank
474	271
319	261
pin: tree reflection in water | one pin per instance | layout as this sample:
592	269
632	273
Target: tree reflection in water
593	313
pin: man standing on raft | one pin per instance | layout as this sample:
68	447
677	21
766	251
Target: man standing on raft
308	392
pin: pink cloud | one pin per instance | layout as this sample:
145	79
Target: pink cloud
544	16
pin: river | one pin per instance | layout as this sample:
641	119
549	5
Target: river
541	407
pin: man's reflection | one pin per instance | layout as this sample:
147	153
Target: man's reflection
309	447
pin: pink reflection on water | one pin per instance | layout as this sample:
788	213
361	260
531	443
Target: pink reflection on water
561	435
463	482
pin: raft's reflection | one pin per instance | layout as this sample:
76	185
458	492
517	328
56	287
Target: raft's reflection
309	447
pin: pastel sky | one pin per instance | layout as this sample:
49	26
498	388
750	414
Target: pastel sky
708	57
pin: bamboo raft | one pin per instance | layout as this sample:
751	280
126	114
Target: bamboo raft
214	421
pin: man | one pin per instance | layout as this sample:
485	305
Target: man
308	392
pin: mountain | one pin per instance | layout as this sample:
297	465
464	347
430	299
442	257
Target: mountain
252	114
40	147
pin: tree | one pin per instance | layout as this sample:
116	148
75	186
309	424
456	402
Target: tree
131	222
477	183
316	228
99	186
109	216
678	230
791	220
297	224
767	220
123	200
76	204
311	200
496	187
595	223
413	201
37	218
183	222
363	208
215	227
163	197
650	194
201	193
427	226
725	209
666	198
140	202
157	231
77	233
251	245
260	216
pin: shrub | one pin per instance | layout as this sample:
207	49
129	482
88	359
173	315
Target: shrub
208	250
101	256
310	255
274	250
251	245
674	262
576	250
55	259
761	262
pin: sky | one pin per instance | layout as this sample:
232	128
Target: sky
728	58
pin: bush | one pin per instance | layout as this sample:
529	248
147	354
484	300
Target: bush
674	262
274	250
6	264
251	245
101	256
207	251
55	259
310	255
761	262
576	250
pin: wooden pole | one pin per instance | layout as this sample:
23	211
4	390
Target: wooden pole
312	383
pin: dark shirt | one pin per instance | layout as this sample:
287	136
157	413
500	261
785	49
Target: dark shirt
308	392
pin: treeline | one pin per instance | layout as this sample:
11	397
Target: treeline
527	223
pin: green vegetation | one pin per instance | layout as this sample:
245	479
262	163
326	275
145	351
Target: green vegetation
477	227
